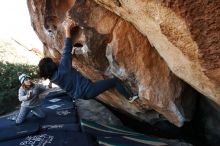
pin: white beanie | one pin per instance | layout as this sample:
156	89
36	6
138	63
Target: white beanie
22	77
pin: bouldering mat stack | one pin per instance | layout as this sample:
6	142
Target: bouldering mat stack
58	100
48	138
15	131
9	130
59	116
58	94
60	113
60	127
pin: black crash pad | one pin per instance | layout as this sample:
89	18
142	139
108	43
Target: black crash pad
58	94
15	131
59	116
57	103
61	127
8	120
52	139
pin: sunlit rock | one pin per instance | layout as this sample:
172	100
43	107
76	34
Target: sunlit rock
147	44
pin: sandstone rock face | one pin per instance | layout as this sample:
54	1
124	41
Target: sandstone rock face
116	47
95	111
185	33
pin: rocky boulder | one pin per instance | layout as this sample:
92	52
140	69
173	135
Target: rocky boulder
150	45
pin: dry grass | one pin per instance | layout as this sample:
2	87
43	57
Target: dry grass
11	52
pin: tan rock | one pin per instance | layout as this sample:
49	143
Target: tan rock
116	47
185	33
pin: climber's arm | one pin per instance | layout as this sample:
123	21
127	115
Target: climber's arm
66	59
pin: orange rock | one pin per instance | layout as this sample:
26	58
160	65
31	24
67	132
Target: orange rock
147	45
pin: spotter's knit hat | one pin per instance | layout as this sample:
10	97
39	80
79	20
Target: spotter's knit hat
22	77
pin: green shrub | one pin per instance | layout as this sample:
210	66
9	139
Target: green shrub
9	84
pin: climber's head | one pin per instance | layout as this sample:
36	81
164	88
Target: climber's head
46	68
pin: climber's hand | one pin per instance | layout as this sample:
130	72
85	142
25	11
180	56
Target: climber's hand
68	14
50	85
29	95
68	25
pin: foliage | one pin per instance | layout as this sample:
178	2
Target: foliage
9	84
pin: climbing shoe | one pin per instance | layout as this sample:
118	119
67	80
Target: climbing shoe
133	98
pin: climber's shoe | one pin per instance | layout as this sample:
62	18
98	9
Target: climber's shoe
133	98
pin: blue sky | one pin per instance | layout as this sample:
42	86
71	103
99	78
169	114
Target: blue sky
15	22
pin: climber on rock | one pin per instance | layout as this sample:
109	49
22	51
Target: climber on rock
72	81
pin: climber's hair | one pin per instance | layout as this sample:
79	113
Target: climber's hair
46	68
